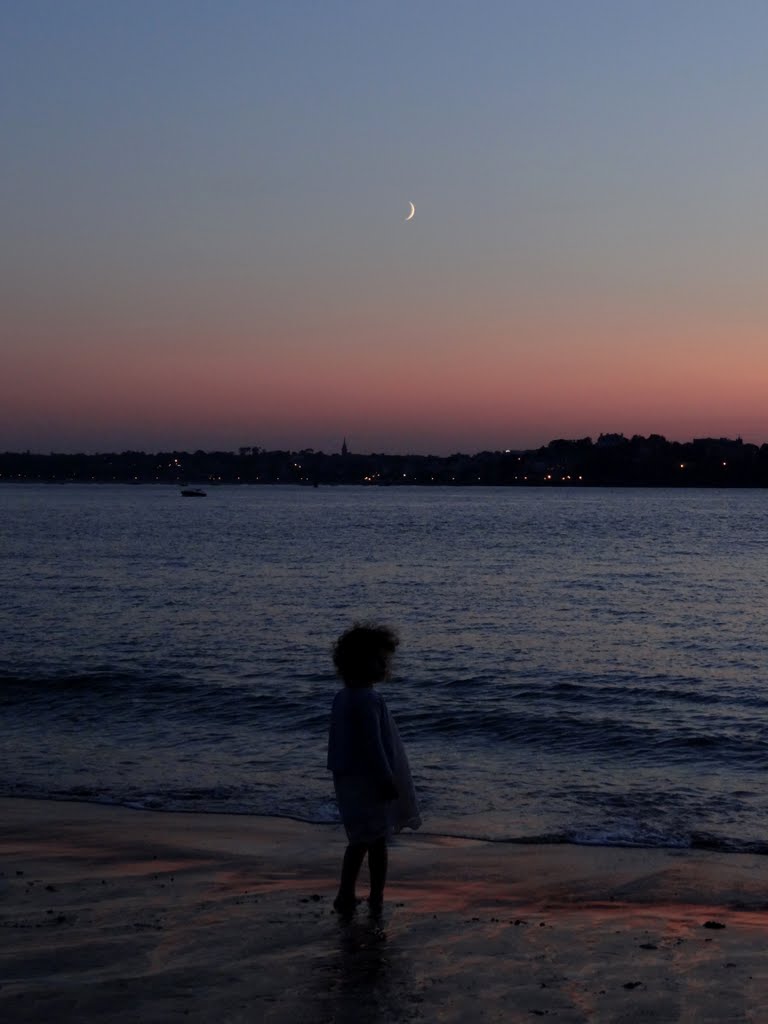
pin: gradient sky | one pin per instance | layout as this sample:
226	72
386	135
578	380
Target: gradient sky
204	244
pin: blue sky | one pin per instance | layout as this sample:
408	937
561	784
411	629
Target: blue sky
201	195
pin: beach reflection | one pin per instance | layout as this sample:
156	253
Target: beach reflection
366	977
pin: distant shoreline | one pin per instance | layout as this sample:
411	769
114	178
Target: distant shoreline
613	461
584	485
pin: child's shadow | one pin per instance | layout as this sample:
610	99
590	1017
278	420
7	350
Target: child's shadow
366	978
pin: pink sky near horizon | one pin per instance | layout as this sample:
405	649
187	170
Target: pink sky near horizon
517	386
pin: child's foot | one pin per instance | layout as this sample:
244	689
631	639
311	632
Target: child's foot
375	906
345	906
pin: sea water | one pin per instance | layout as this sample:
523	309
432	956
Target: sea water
583	665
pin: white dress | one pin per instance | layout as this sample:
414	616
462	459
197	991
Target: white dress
364	752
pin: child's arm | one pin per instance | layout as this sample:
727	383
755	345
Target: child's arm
375	751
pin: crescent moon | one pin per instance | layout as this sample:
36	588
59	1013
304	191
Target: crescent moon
413	210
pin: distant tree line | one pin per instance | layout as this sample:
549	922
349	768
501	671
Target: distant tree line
611	460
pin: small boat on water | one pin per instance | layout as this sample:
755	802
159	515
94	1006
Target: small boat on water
193	492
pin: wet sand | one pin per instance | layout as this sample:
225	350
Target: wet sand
123	916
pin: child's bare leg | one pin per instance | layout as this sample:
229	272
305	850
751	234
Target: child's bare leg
354	855
377	867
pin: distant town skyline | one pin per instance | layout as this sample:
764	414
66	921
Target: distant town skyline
206	244
603	438
611	460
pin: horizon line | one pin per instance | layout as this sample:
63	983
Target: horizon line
609	437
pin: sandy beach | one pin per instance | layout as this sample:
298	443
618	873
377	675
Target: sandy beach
121	915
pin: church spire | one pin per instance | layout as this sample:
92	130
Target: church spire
344	449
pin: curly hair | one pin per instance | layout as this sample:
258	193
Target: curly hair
361	654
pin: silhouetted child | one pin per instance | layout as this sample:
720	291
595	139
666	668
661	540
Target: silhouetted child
370	769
